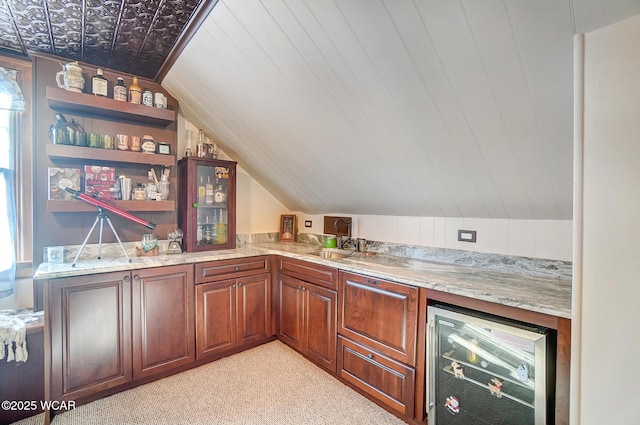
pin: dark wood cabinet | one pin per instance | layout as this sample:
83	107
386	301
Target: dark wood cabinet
309	272
106	330
89	331
207	203
307	317
380	314
390	382
163	319
377	327
233	305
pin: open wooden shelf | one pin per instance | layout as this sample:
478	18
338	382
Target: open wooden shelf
74	205
97	155
106	108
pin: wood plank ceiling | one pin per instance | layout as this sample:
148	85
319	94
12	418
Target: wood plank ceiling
456	108
395	107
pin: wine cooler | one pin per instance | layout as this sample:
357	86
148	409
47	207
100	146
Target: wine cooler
483	370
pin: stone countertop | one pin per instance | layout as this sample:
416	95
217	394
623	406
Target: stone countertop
546	295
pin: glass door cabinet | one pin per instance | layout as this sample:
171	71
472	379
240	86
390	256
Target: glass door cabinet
207	203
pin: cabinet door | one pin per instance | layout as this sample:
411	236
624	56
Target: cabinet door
320	325
206	203
90	334
253	308
380	314
163	319
290	313
386	380
215	317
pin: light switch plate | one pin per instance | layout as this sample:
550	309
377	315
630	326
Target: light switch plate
466	235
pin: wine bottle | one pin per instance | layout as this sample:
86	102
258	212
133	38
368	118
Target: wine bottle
221	230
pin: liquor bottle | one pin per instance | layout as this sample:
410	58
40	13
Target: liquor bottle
202	191
208	192
99	84
120	90
207	232
135	92
221	230
200	150
188	151
218	195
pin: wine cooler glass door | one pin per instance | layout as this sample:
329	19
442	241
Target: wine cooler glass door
484	372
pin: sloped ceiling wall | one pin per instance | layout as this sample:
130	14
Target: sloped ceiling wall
408	108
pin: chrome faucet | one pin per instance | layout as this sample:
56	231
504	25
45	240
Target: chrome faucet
349	241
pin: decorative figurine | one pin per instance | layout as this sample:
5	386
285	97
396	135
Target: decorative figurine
452	405
495	387
523	372
458	370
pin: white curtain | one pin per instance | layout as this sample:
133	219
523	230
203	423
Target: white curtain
11	103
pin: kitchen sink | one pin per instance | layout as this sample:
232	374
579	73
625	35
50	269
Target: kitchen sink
333	253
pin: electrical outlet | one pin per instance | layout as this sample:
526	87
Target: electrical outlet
307	223
467	235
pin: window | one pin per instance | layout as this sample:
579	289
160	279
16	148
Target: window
15	185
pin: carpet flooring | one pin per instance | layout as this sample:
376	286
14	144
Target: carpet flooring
270	384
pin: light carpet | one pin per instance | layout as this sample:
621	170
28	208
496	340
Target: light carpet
270	384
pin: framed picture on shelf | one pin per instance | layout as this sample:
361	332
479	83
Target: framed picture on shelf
288	228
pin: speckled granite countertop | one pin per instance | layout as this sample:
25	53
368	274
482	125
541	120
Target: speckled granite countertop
546	295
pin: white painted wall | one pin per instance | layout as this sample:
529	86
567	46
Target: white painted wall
551	239
606	340
257	211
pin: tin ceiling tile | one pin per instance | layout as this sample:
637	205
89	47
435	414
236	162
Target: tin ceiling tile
126	35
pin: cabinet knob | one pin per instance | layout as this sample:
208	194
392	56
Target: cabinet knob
237	268
136	278
370	356
126	278
239	284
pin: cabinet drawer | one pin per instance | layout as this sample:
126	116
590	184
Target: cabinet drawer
379	314
309	272
390	382
225	269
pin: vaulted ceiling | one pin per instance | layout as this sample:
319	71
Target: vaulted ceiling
457	108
